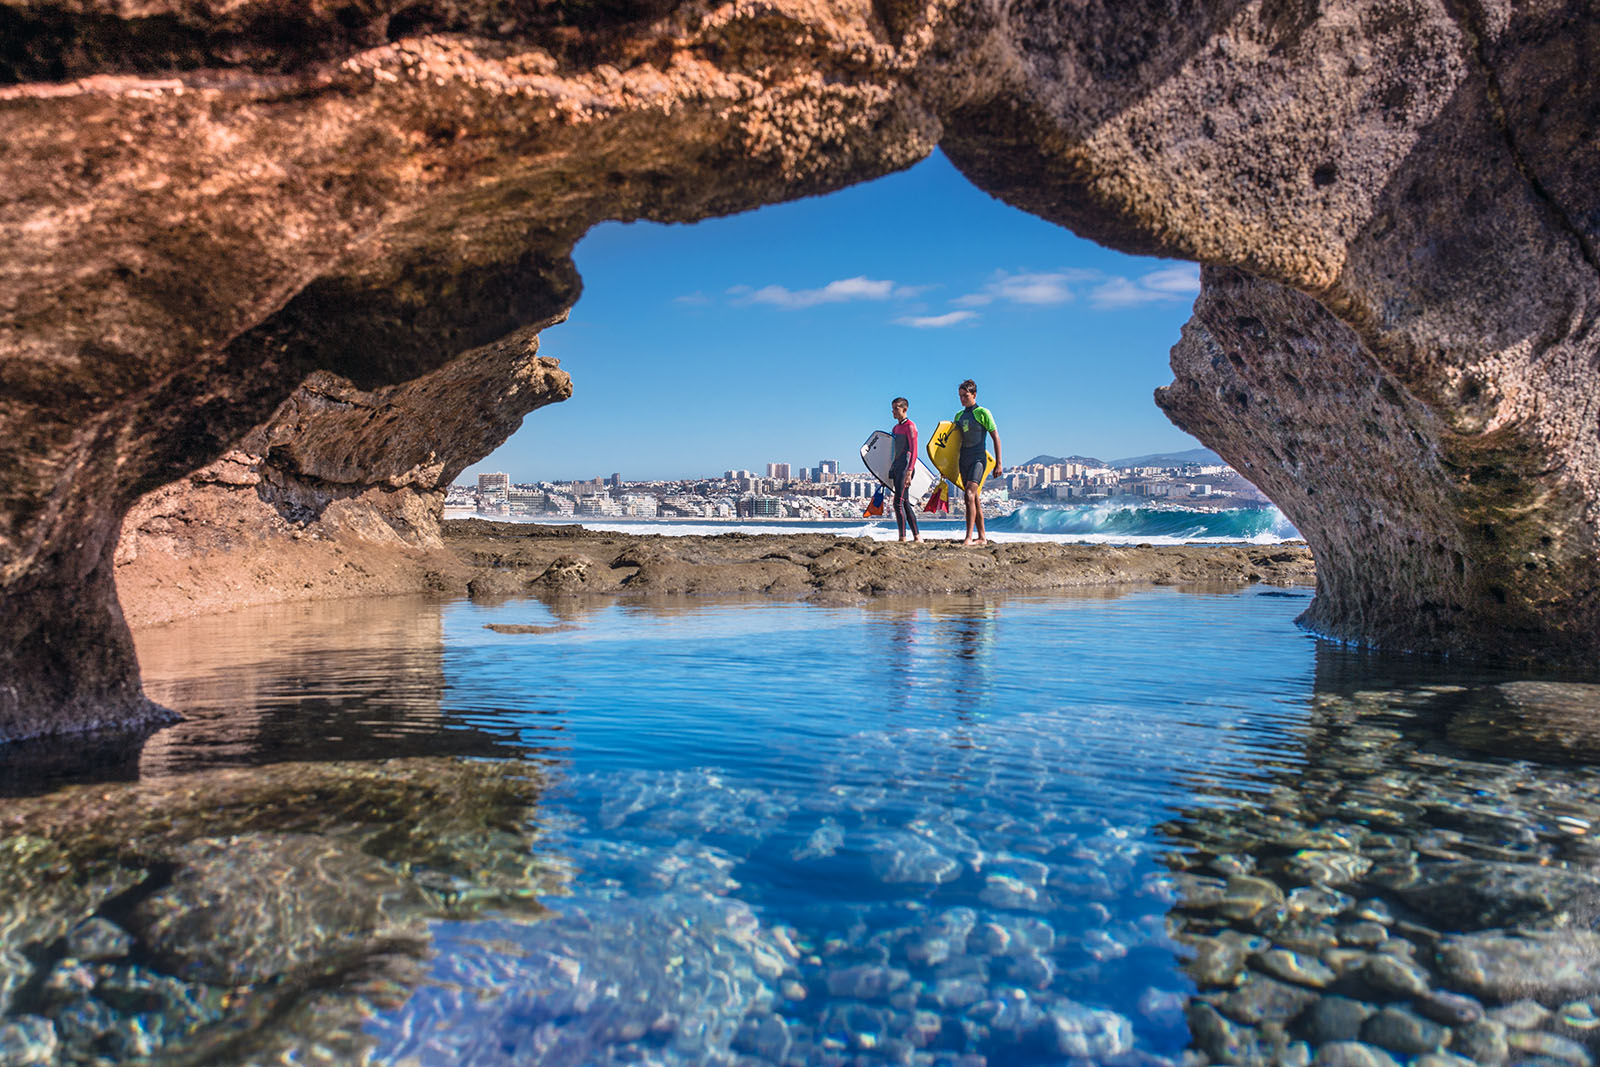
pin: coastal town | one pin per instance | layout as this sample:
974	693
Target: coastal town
1193	480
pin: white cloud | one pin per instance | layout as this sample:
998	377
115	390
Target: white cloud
694	299
924	322
1042	289
859	288
1166	284
1120	293
1182	279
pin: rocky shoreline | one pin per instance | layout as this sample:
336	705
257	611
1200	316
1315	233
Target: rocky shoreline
522	559
487	560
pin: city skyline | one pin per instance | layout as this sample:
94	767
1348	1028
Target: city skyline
785	332
764	469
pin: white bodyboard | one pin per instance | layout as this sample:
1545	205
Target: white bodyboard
878	453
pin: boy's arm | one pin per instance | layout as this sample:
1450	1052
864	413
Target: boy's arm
994	432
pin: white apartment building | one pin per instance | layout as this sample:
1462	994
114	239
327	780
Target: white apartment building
640	505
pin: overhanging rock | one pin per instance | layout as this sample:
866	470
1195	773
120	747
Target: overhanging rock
206	204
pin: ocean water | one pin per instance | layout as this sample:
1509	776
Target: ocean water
1128	827
1102	523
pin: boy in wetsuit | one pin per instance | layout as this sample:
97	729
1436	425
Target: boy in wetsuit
974	422
901	466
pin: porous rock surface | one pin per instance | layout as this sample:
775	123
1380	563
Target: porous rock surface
522	559
338	493
206	203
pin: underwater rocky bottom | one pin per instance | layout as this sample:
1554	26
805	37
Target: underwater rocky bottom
1143	828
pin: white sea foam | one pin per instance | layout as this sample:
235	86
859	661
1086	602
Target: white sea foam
1098	525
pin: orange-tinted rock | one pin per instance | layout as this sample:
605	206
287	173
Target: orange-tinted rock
207	204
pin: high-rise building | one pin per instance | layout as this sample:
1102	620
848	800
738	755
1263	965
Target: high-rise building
616	481
780	471
757	507
827	466
494	492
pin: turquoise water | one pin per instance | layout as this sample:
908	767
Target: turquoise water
1125	828
1123	521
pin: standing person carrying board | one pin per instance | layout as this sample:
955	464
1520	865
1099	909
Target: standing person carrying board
905	458
974	422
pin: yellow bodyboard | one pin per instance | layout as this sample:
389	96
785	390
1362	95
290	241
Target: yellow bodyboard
944	452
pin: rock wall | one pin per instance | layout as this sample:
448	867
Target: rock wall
207	203
1426	536
340	492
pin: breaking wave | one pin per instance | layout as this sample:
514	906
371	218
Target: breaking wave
1170	524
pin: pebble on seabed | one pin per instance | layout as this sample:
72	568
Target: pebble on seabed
1487	901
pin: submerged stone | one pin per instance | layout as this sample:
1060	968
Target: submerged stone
1579	1015
1478	894
1294	967
1544	966
1393	976
1262	999
1219	1037
1482	1042
242	910
1399	1030
1315	900
1244	896
28	1041
1352	1054
1521	1014
1335	1018
1451	1009
1328	868
1090	1033
1363	934
98	939
1549	1046
866	982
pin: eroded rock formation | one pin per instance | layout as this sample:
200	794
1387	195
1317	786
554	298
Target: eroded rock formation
339	492
207	203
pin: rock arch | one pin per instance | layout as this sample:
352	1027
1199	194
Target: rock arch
205	204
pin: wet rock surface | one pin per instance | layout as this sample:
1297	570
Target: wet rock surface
552	561
252	915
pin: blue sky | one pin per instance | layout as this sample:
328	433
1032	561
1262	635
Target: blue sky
781	335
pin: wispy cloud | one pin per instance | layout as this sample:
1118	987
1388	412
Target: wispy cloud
1166	284
841	291
929	322
694	299
1041	289
1036	289
1182	279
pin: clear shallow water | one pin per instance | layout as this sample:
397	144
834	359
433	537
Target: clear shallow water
1118	829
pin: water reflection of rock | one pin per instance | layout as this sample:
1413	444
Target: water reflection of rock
1417	889
245	915
324	681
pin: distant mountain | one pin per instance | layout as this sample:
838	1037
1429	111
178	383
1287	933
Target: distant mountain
1202	457
1087	461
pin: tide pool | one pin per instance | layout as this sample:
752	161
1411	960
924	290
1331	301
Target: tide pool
1138	827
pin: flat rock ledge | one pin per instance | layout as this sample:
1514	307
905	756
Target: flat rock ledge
517	559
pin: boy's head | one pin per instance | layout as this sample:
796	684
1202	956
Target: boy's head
899	407
967	391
